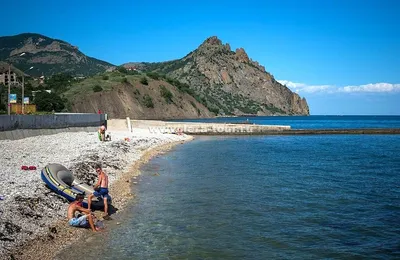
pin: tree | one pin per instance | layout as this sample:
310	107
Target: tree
59	82
48	102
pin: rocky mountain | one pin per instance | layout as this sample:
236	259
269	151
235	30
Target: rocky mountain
229	82
48	56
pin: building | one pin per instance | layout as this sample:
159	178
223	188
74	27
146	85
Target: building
41	79
4	75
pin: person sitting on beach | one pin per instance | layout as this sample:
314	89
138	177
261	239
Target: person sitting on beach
85	220
102	131
101	191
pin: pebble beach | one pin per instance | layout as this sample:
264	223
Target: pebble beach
31	214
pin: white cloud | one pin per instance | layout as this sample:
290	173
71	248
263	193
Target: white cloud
378	87
370	88
291	85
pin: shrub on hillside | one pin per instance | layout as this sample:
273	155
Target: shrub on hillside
124	80
97	88
122	69
144	81
105	77
166	94
153	75
148	101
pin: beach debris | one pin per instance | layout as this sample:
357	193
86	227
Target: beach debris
156	174
25	168
2	197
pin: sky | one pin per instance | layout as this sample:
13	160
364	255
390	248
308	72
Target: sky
342	56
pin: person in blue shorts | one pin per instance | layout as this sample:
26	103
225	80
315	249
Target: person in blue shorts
101	191
85	220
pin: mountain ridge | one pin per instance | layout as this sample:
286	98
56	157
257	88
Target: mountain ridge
230	82
48	56
224	81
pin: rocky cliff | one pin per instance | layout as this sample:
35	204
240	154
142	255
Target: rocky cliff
229	82
48	56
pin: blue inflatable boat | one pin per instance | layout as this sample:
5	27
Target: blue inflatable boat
62	181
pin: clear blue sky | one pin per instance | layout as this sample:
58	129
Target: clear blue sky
317	47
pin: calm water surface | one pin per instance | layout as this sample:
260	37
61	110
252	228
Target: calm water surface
273	197
313	122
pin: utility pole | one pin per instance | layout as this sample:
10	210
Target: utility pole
23	101
9	83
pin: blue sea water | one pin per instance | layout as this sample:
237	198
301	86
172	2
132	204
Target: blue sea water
313	122
262	197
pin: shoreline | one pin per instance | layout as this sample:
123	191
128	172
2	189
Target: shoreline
59	235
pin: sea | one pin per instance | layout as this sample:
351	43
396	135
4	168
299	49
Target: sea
264	197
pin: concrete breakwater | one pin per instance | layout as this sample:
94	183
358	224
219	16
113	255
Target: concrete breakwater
192	128
243	129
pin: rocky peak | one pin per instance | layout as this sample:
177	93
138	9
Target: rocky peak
241	55
213	40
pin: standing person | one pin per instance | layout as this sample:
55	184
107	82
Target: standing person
102	131
85	220
101	191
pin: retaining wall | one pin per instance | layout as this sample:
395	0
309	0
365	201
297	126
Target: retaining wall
21	126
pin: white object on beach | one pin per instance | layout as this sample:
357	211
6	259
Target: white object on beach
128	121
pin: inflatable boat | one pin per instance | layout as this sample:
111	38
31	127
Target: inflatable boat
62	181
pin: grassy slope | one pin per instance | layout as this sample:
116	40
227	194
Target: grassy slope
86	86
127	93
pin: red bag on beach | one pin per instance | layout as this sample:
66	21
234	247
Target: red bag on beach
32	168
24	168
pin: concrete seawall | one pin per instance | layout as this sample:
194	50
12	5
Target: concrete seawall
24	133
21	126
59	120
